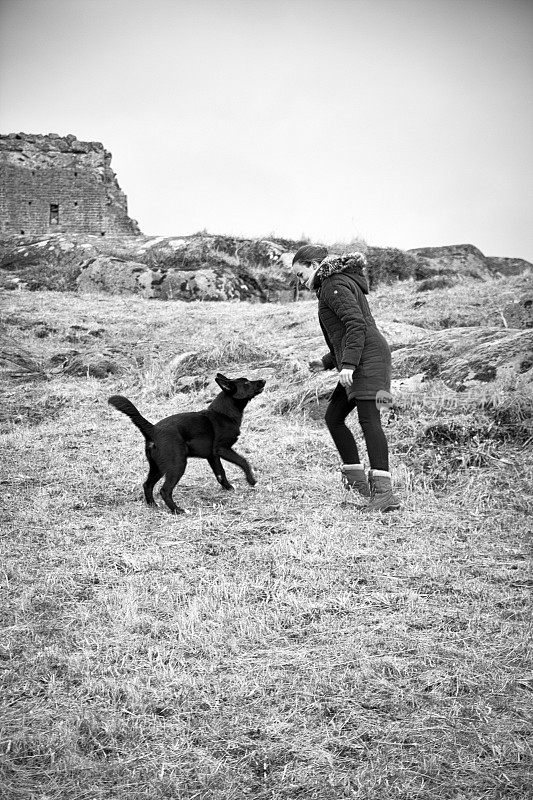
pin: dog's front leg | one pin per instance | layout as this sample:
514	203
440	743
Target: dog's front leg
235	458
216	465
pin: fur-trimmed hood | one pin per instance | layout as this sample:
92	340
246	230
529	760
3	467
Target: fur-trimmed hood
351	263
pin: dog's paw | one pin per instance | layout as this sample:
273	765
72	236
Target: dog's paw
252	481
228	486
176	511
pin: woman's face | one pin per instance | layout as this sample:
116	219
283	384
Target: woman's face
304	270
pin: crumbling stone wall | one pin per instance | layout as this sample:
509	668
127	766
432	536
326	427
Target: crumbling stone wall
50	183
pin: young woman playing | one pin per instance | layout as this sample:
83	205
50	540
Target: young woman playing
362	357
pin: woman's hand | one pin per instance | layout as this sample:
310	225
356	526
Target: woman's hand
346	378
316	366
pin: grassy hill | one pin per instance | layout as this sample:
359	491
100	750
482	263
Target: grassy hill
273	643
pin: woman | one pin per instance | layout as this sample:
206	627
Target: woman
362	357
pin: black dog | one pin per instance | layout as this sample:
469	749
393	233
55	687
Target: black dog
208	434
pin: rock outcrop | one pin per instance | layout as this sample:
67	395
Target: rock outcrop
197	267
467	357
201	266
507	266
463	260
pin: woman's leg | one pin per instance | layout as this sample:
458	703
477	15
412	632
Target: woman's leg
376	441
338	409
382	497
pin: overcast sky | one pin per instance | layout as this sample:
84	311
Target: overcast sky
406	122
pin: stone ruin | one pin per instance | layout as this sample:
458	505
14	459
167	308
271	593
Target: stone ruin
58	184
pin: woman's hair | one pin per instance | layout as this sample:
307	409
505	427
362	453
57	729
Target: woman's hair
310	252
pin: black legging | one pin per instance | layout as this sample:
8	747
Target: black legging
376	442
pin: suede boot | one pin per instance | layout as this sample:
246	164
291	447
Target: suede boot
354	479
382	497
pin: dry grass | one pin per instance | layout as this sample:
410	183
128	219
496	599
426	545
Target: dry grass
272	643
468	303
17	361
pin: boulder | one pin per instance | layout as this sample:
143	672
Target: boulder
399	334
115	276
204	284
520	313
461	259
412	385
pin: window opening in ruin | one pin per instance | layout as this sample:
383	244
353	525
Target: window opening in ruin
29	202
54	214
75	174
102	233
75	202
22	233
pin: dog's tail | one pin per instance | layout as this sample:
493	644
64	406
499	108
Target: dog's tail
127	407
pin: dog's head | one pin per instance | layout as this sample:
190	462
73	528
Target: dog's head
240	388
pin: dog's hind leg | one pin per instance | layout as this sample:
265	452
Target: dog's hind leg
153	476
172	476
216	465
235	458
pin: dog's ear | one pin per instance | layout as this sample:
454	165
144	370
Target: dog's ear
226	384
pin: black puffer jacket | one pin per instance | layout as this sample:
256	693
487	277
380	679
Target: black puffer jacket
351	334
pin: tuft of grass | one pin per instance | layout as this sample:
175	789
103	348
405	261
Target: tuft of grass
304	394
234	351
17	361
